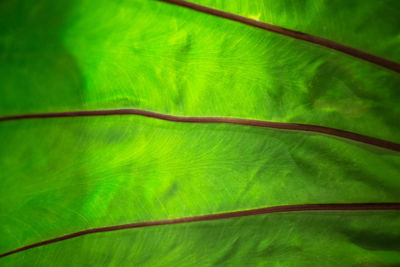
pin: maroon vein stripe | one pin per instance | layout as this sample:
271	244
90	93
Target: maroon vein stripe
294	34
219	216
247	122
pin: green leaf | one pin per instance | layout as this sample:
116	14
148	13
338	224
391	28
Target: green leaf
63	175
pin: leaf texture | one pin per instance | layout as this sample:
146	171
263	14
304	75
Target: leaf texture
63	175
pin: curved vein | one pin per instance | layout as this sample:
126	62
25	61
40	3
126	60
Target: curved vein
218	216
394	66
227	120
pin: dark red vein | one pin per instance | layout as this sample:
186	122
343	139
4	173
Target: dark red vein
219	216
247	122
294	34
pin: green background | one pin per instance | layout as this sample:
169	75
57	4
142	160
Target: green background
59	176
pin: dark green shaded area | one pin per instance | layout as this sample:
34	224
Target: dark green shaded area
64	175
292	239
37	72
